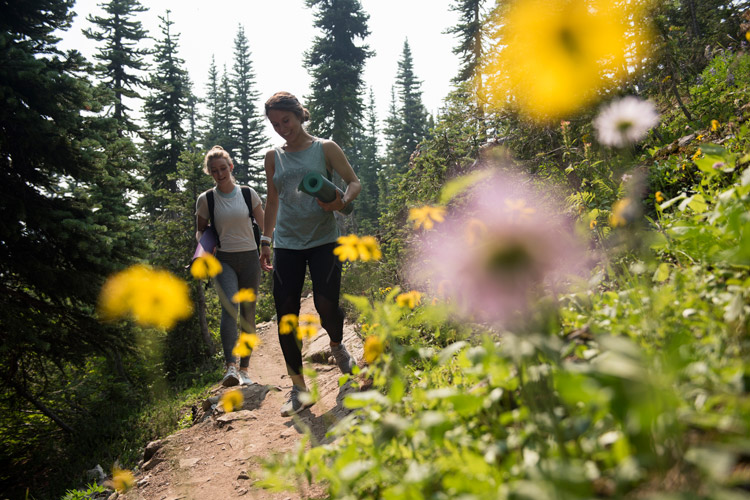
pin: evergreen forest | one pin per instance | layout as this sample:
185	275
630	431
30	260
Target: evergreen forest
551	275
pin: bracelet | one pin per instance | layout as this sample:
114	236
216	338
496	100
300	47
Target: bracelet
265	238
265	243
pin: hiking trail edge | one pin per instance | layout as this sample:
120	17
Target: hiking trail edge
220	455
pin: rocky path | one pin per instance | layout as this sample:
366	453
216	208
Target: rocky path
220	456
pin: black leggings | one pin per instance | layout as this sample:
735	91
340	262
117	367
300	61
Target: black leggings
289	277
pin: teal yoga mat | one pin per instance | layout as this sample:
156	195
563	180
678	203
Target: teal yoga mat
318	186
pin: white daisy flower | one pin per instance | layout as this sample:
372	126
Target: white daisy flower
625	122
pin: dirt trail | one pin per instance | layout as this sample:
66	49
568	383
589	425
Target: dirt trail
219	457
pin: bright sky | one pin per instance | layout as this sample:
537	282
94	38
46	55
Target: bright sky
280	31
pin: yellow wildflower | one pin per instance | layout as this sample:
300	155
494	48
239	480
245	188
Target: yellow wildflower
288	323
246	344
308	326
352	247
659	197
556	54
699	137
409	299
151	297
244	295
122	480
592	224
426	216
373	349
369	249
697	154
205	266
715	123
747	35
616	218
232	400
347	249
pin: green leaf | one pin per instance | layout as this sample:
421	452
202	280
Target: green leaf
362	399
662	272
457	186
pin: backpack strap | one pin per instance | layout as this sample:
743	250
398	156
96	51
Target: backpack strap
247	194
210	200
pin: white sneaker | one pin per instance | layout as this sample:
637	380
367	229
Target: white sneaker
245	378
230	377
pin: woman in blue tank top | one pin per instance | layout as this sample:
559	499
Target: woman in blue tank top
304	234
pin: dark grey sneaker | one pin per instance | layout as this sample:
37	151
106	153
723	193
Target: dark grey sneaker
230	377
293	404
343	359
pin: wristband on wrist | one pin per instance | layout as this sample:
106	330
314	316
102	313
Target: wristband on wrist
265	238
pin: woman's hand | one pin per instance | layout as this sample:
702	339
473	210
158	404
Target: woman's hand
334	205
265	258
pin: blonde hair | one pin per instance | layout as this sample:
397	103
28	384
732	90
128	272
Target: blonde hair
284	101
215	153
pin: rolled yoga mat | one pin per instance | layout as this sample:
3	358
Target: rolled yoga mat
321	188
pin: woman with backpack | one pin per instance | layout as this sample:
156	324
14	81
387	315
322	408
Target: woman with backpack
227	206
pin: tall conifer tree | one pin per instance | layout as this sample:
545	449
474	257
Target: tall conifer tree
166	111
120	58
367	166
470	34
407	125
251	137
57	247
336	64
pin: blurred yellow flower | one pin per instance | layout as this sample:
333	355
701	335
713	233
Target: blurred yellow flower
697	154
308	326
373	349
592	224
347	249
232	400
151	297
288	324
617	217
205	266
352	247
554	55
369	249
715	123
409	299
659	197
427	216
699	137
246	344
244	295
122	480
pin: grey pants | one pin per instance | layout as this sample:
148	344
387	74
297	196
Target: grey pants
239	270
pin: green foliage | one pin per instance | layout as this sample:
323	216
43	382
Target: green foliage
251	137
120	58
84	494
449	152
642	377
166	111
336	65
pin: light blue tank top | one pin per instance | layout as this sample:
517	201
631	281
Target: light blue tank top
301	223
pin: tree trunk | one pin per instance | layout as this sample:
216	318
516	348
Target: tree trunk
40	406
